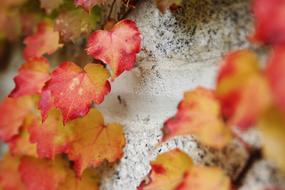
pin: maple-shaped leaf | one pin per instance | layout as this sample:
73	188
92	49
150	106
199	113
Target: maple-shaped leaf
167	171
272	129
74	89
44	41
72	24
51	136
205	178
87	5
242	89
95	142
13	113
9	175
269	21
275	73
199	114
31	78
163	5
50	5
42	174
20	145
117	47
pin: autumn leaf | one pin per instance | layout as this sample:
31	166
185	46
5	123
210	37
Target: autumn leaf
167	171
73	89
87	5
44	41
205	178
242	89
50	5
42	174
199	114
269	21
95	142
275	74
13	114
9	176
71	24
163	5
31	78
272	129
117	47
20	145
51	136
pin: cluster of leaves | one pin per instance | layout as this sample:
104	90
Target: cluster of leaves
246	95
48	120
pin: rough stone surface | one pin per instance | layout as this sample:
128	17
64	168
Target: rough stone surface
180	52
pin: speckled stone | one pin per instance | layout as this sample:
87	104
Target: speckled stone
180	52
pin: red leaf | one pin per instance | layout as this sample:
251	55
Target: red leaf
275	73
74	89
242	89
44	41
31	78
40	174
269	21
117	47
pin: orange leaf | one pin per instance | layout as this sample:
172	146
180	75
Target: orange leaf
275	73
199	115
167	171
205	178
87	5
9	176
13	113
31	78
20	145
74	89
117	47
42	174
272	130
242	89
94	142
44	41
269	21
51	137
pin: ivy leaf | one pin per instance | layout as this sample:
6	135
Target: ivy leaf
117	47
31	78
74	89
269	22
87	5
9	175
242	89
95	142
275	75
167	171
44	174
272	129
199	115
205	178
51	137
163	5
14	111
44	41
50	5
72	24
